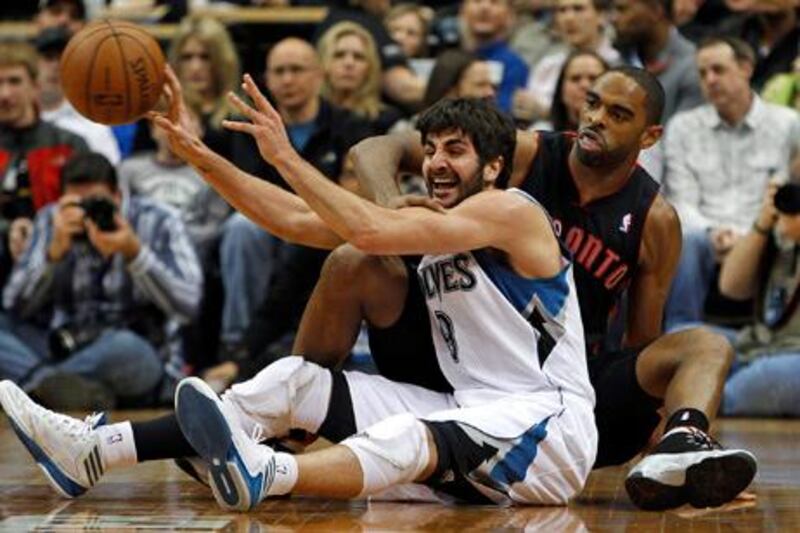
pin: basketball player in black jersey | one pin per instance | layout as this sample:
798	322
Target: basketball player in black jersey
626	241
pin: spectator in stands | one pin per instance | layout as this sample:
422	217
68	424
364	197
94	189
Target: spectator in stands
50	43
205	59
765	380
163	176
352	73
580	70
772	29
582	26
32	152
68	13
647	38
533	35
398	82
459	74
322	133
111	278
720	158
698	19
486	25
408	26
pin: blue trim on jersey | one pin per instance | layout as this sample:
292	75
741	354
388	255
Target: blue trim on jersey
514	466
519	291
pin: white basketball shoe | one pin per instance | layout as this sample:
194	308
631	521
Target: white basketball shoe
65	448
240	470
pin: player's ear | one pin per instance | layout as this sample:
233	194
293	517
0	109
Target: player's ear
491	170
651	136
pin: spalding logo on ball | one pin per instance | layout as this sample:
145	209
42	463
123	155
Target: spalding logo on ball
112	71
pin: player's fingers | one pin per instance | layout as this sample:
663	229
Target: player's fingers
261	102
244	108
172	82
235	125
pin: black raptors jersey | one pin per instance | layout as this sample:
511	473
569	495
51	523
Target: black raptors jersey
604	236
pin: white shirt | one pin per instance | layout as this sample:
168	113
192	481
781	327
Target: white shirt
716	174
100	138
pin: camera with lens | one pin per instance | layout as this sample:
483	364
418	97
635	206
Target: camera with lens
70	338
787	199
100	210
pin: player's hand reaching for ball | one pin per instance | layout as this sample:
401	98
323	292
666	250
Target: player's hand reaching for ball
183	132
266	125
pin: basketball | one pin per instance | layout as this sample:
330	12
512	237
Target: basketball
112	71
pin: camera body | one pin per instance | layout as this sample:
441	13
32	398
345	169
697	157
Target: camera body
100	210
67	339
787	199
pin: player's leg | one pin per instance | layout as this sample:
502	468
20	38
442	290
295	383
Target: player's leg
242	472
352	287
688	370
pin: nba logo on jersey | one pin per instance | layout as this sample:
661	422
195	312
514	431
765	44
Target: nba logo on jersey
626	223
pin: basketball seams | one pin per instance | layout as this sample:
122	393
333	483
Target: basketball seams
72	47
124	69
159	81
89	74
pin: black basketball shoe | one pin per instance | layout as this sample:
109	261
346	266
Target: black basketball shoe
688	466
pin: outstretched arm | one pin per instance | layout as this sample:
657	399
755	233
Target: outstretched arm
480	221
279	212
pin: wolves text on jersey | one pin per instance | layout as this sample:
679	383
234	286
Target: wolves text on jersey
447	275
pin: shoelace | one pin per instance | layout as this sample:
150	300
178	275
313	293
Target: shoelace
71	426
702	439
257	434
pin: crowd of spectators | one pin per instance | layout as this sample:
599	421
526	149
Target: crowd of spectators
122	270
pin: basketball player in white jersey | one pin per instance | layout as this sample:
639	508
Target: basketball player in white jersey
518	427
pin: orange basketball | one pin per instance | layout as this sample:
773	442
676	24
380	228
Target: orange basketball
112	71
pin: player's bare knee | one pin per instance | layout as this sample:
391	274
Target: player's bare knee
709	347
272	397
393	451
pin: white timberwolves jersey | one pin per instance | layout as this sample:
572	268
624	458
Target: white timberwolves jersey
498	333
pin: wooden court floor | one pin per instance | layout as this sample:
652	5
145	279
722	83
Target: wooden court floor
158	496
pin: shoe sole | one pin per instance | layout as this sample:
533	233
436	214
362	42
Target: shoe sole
711	482
209	434
716	481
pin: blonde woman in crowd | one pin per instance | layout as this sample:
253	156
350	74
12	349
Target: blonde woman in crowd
352	72
207	63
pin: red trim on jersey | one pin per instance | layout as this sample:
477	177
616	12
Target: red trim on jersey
44	172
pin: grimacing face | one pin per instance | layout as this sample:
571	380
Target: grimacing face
451	167
613	122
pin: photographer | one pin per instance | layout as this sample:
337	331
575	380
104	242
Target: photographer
95	299
765	380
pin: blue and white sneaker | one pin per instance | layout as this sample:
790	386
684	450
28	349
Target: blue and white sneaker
65	448
240	469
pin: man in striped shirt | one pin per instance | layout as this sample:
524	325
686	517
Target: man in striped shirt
97	302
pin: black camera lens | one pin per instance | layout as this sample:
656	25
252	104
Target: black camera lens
100	210
787	199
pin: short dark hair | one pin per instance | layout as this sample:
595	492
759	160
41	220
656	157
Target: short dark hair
491	131
654	92
741	50
88	168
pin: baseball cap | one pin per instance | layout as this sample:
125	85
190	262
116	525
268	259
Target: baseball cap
80	8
